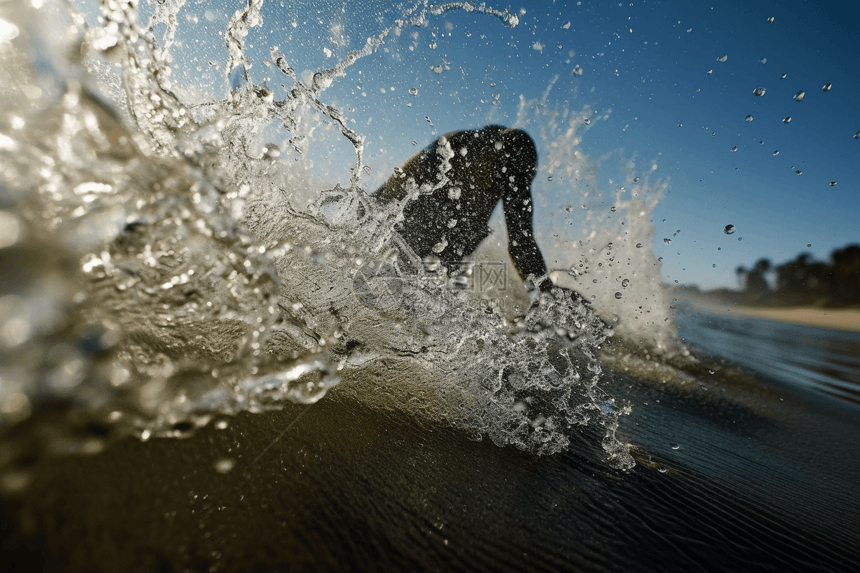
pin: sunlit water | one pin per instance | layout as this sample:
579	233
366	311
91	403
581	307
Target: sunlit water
818	359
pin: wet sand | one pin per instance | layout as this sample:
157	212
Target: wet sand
354	488
837	319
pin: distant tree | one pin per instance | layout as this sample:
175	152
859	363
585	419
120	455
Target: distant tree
804	280
756	281
845	263
741	271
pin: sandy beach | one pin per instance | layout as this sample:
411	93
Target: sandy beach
837	319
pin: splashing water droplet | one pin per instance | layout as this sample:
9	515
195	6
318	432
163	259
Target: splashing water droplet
782	77
857	135
221	424
798	171
770	19
635	180
799	95
759	91
748	118
577	71
763	61
776	152
682	125
413	91
569	209
827	87
549	178
612	208
638	245
786	119
735	148
667	241
723	59
710	72
833	183
618	295
675	447
625	282
224	465
729	229
414	143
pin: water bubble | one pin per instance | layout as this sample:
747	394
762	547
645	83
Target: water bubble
568	208
675	447
618	295
367	169
414	143
625	282
763	61
723	59
224	465
786	119
682	125
577	71
770	19
740	238
735	148
612	208
833	183
809	244
549	178
594	281
638	245
221	424
776	152
748	118
635	180
799	95
713	266
782	77
710	72
827	87
413	91
857	135
10	229
798	171
729	229
759	91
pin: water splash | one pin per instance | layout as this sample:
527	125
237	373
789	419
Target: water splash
170	272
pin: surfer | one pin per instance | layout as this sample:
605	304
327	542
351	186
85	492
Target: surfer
478	168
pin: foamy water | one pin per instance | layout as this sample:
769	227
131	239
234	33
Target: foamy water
167	261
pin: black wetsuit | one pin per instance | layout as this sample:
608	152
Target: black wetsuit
488	165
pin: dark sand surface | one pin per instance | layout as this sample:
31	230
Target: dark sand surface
764	478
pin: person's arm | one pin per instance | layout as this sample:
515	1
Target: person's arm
522	246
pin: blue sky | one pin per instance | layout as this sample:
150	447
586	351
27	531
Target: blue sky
644	61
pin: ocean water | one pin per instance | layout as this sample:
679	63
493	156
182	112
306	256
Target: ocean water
196	313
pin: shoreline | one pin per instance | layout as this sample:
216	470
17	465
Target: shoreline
834	319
